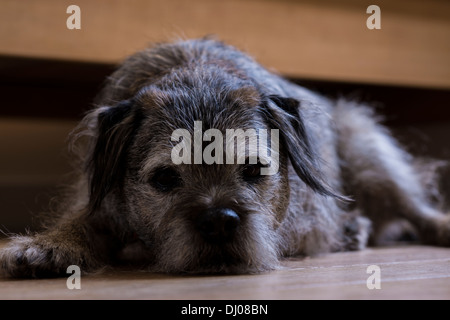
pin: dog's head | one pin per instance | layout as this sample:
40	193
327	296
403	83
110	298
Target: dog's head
199	199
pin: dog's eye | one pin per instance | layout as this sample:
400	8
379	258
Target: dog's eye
165	179
252	172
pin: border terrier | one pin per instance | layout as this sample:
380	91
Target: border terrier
340	177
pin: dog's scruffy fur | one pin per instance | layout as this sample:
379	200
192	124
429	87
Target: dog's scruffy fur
342	177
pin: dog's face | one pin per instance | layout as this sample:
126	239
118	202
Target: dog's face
201	216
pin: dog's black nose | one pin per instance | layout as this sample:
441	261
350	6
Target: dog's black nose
218	224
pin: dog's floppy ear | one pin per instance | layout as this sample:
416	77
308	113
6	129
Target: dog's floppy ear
116	127
283	114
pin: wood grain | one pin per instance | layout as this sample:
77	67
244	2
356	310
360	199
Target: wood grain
407	272
304	39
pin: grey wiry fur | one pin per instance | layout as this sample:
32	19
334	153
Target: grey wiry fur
120	212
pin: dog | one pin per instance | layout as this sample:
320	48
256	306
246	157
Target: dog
340	176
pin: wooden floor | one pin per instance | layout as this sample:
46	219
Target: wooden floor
407	272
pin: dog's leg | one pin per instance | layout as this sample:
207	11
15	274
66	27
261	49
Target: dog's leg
70	242
381	178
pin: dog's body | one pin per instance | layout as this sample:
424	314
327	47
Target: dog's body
131	203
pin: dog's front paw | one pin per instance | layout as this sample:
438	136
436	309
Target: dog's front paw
356	233
39	256
442	234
